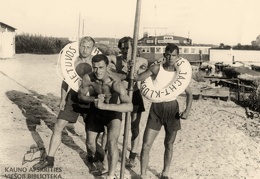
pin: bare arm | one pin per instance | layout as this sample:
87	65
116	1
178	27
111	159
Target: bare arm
152	70
121	76
116	76
125	101
112	71
84	90
64	90
189	100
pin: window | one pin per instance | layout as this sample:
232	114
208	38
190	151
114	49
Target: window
192	50
149	41
163	49
146	50
158	50
168	38
180	50
206	51
186	50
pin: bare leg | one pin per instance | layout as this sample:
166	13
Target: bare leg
104	147
168	144
135	138
104	138
56	136
91	143
54	144
113	130
148	139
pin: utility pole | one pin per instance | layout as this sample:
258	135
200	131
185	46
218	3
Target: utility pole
79	28
83	29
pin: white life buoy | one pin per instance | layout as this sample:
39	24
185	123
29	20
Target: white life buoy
66	64
178	83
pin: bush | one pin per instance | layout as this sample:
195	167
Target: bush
37	44
253	99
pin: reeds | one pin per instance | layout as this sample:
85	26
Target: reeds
38	44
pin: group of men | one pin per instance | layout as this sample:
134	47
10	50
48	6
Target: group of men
102	98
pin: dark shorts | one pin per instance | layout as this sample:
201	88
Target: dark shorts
138	102
97	119
164	114
73	108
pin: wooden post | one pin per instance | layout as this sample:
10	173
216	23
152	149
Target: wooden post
238	90
130	86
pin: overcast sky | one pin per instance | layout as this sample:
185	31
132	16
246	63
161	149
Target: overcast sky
204	21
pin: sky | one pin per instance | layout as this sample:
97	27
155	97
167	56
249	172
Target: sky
204	21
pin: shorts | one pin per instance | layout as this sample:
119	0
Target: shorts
164	114
138	102
97	119
73	108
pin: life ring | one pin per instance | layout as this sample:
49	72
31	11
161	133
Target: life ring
66	68
179	82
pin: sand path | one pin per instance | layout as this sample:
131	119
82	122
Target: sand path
217	141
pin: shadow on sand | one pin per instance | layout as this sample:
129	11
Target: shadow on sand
39	108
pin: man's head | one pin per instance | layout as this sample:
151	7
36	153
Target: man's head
86	46
124	44
99	65
171	53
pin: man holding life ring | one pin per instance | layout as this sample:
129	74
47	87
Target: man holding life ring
70	107
163	113
108	99
121	64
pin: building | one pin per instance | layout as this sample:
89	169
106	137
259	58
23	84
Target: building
153	47
231	56
7	41
111	42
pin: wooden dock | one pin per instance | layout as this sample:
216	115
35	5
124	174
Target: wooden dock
222	93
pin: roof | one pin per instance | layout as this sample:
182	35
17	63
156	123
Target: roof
162	37
1	23
178	44
142	41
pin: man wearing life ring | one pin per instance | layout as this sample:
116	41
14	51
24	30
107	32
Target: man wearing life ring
108	99
121	64
163	113
70	107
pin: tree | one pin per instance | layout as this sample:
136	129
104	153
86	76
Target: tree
253	43
221	45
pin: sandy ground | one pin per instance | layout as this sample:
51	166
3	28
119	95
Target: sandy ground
217	141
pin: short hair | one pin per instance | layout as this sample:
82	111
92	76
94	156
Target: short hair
171	47
87	38
124	40
100	57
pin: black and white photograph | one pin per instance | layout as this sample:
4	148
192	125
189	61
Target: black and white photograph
130	89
